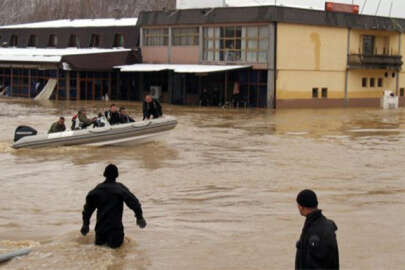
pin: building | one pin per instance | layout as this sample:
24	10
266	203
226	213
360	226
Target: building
285	57
76	58
275	57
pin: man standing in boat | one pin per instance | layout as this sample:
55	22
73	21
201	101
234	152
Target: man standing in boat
58	126
108	198
151	108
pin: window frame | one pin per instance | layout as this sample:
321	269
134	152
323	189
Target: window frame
315	92
32	41
95	38
52	41
151	35
74	41
178	35
119	40
215	40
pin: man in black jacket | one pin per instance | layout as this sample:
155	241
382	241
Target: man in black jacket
108	198
151	108
112	115
317	247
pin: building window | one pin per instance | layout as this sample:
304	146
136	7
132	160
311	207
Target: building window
401	92
368	45
386	74
314	92
53	41
324	92
13	41
236	43
393	74
372	82
364	82
32	41
156	37
119	41
74	42
380	82
94	41
185	36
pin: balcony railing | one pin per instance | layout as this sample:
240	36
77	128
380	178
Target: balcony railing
363	61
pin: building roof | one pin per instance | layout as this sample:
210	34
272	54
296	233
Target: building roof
179	68
268	14
77	23
48	55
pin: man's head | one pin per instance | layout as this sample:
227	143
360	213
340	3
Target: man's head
113	108
123	111
111	172
61	120
148	98
307	202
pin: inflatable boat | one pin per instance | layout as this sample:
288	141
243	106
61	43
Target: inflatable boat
123	134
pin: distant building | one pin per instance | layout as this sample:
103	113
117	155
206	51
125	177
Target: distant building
79	54
276	57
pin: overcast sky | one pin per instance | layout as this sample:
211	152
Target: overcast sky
398	6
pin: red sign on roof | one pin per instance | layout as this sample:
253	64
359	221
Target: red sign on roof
338	7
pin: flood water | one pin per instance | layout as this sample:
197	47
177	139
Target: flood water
218	192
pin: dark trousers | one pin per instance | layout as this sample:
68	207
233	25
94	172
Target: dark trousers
113	239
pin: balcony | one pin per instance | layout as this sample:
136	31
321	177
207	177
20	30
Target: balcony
363	61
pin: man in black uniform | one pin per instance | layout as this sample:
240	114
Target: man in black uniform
151	107
124	117
112	115
317	247
108	198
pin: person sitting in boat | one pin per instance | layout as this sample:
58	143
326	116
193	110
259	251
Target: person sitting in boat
124	117
151	108
112	115
84	122
58	126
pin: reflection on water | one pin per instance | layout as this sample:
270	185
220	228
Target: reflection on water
222	183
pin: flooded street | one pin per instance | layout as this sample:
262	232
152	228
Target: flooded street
218	192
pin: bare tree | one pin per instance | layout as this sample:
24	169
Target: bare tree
20	11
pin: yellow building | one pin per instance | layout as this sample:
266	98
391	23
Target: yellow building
290	57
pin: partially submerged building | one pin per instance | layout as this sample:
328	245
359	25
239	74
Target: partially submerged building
276	57
73	58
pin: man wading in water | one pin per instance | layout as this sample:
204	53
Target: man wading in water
317	247
108	198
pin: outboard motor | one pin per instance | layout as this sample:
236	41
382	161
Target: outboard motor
23	131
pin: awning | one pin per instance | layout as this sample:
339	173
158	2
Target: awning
49	55
179	68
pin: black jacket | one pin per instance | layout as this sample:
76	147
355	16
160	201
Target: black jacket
108	198
124	119
112	117
317	247
152	109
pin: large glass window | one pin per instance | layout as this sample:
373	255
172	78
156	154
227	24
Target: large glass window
155	37
236	44
185	36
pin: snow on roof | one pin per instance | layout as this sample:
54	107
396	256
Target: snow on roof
108	22
46	55
179	68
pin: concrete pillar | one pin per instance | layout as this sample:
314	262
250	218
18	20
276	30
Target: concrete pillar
29	83
67	84
201	44
169	46
272	66
346	97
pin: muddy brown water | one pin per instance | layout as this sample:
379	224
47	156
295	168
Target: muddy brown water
218	192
